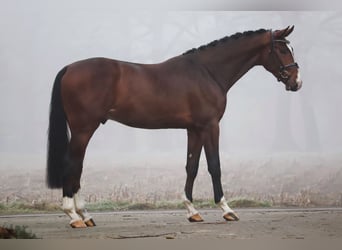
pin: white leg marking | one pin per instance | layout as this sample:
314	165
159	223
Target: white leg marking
69	209
224	206
80	207
190	207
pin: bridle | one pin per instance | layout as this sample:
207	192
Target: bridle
283	74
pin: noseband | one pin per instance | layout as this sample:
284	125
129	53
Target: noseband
283	74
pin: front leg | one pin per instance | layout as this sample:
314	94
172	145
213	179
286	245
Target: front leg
211	147
195	144
228	213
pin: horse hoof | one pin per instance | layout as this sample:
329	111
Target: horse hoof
78	224
195	218
90	223
231	216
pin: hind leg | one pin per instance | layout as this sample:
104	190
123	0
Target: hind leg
73	206
82	211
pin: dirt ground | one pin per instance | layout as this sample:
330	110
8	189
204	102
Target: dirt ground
316	223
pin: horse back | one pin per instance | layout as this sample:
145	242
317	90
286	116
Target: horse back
171	94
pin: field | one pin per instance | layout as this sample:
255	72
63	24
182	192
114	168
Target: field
300	198
279	181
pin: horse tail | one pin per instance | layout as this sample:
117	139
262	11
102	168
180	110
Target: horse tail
58	136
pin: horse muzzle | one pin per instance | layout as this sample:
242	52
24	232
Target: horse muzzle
294	87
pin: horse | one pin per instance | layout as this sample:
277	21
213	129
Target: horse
188	91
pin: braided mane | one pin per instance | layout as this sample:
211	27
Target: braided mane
236	36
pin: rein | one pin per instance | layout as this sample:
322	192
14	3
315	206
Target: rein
283	74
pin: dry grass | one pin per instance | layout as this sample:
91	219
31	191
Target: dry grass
302	181
108	205
16	232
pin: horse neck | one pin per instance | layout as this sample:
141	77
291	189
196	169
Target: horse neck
228	62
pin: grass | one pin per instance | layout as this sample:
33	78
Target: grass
127	206
28	208
16	232
108	205
163	205
247	203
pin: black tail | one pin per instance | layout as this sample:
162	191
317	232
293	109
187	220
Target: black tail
58	137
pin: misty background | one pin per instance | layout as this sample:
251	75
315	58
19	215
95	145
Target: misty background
261	119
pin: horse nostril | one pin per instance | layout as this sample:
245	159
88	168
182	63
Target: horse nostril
295	87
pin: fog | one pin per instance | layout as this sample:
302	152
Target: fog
261	117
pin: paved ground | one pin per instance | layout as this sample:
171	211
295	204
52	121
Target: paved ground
254	224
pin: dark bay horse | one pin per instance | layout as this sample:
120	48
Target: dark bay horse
187	91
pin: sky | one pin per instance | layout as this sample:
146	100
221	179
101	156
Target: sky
37	40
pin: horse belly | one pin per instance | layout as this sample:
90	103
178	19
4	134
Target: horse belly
155	118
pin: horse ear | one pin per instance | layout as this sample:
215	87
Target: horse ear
289	30
281	34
